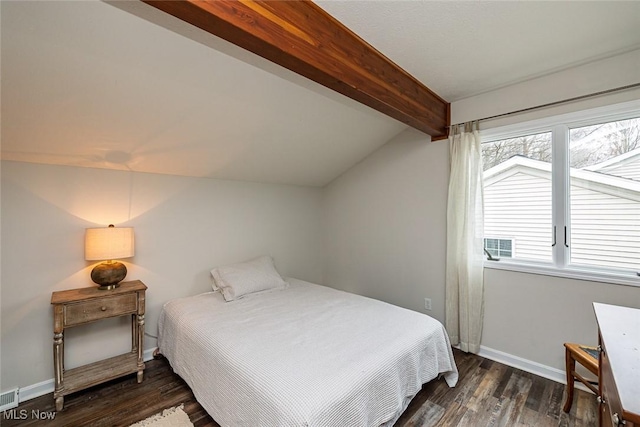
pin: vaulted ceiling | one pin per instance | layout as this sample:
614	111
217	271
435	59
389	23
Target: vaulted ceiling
124	86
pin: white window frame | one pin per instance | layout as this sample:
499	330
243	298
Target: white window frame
559	126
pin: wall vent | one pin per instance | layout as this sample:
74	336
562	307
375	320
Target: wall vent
9	399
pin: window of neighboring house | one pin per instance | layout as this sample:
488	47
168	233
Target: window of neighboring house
566	191
499	248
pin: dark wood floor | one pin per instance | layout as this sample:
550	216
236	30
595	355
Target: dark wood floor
487	394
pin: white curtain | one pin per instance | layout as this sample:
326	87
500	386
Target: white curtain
465	249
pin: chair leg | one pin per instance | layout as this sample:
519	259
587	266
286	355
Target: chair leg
570	367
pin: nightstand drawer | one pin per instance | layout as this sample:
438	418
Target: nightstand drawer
88	311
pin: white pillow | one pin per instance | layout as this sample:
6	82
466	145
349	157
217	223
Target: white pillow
241	279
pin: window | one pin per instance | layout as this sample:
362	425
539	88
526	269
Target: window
499	248
604	163
566	191
517	193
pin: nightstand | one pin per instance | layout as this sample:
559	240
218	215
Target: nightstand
77	307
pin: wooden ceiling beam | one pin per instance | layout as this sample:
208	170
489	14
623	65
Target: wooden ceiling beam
302	37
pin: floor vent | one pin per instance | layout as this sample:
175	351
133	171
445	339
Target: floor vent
9	399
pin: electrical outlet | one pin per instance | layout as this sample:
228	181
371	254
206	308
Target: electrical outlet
427	303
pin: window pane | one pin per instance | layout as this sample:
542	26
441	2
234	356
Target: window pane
605	194
517	195
491	245
505	248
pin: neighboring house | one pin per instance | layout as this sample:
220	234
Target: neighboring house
605	211
626	165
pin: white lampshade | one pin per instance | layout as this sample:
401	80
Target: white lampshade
108	243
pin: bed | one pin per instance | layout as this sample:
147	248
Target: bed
302	355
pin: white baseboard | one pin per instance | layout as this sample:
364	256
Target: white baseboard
530	366
148	354
36	390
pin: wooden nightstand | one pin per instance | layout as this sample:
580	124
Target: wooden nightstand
85	305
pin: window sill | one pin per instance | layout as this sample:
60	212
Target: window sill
571	273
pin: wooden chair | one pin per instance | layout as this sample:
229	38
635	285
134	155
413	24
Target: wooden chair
587	357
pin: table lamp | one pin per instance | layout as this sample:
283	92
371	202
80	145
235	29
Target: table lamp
108	244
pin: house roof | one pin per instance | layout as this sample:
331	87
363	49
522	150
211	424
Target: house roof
626	165
120	85
594	180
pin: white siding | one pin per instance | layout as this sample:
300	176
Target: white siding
519	208
605	229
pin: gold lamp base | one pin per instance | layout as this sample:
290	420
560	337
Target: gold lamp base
108	274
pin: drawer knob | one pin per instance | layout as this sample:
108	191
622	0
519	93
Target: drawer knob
615	419
103	308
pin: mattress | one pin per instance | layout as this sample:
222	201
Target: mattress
306	355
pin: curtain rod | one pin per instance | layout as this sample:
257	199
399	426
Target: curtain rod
552	104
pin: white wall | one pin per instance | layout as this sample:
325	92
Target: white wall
531	316
384	224
183	228
609	73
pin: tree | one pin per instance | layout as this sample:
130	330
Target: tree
595	144
624	137
536	147
589	145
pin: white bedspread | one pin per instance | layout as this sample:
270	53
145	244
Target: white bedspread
306	355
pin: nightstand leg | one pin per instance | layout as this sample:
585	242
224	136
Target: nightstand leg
139	346
134	333
59	403
58	365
